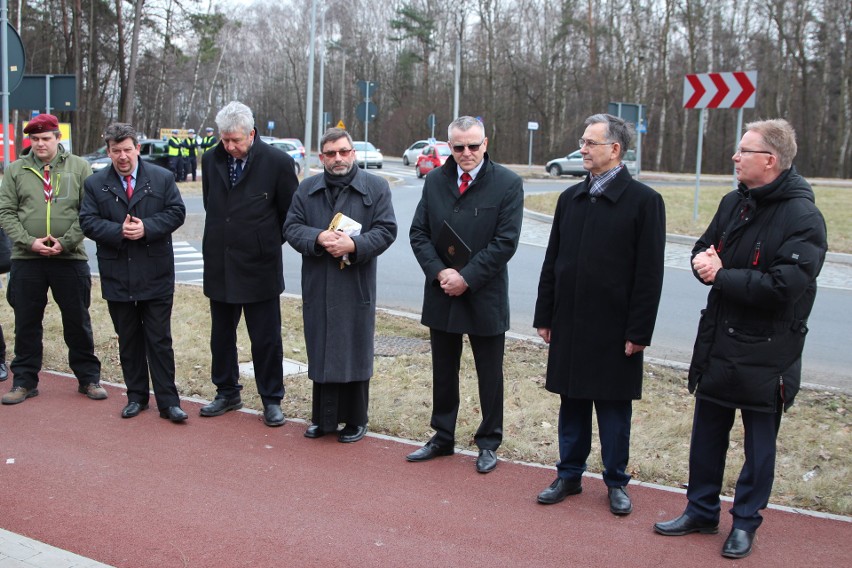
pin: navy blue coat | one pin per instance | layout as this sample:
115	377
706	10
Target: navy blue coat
131	270
772	243
600	286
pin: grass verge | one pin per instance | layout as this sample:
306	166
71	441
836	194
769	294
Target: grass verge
815	447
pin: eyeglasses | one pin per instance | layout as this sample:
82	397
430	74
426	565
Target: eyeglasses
333	153
459	148
583	142
740	152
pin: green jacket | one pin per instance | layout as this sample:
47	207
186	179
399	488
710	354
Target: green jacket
24	214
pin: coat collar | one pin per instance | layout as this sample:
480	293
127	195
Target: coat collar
614	190
359	182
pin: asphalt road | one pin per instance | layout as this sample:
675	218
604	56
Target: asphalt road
827	359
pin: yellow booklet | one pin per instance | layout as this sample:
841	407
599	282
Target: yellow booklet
348	225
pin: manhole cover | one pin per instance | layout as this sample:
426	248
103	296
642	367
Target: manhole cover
391	346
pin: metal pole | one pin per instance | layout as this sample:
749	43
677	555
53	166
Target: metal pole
4	89
457	80
366	121
309	115
737	136
698	163
640	122
320	106
47	94
529	160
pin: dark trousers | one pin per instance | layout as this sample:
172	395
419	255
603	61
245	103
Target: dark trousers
191	166
145	344
575	438
711	428
263	320
334	403
70	282
446	360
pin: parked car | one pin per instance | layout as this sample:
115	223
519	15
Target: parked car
410	154
293	150
433	156
367	155
572	164
151	150
297	143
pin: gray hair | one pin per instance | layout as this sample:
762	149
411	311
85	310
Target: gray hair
333	134
119	132
617	130
235	116
779	135
465	123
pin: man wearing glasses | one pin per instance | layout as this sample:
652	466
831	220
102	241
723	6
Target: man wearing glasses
247	187
339	261
482	205
598	295
760	256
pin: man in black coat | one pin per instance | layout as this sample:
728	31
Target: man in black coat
247	188
761	256
597	305
483	203
131	210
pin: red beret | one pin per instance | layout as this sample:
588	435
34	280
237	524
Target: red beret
42	123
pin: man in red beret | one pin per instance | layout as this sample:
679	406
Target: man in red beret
39	209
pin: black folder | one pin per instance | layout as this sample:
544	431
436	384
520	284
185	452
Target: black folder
452	249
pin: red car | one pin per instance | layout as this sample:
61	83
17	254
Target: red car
432	156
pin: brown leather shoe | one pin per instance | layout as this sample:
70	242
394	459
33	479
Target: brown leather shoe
93	390
18	395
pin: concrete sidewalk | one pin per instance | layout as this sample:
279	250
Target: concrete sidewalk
228	491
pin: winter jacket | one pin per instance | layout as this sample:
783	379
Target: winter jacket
26	216
772	243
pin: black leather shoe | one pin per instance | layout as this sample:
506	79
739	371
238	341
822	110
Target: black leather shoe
173	413
430	451
133	409
619	501
738	544
272	415
486	461
685	524
559	490
4	371
351	434
314	431
220	406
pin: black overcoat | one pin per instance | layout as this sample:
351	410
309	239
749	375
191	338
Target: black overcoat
340	303
133	270
488	219
772	243
243	227
600	286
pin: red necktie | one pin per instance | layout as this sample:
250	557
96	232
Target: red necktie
129	181
48	189
465	177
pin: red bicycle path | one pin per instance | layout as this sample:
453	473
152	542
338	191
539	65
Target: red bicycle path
229	491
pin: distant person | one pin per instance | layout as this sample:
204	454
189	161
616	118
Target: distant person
247	187
597	303
39	207
131	210
190	146
209	140
760	256
176	155
339	282
483	203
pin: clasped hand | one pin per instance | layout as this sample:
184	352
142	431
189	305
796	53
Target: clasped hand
132	228
707	264
337	243
452	283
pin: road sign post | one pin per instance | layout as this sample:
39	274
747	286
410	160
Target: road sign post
717	90
532	127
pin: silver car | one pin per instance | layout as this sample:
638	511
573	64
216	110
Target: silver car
291	149
409	156
572	164
367	155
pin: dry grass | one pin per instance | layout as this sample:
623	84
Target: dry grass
834	202
815	435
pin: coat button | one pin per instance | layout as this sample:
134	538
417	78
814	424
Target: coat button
730	330
594	199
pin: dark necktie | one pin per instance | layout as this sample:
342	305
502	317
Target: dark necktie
236	171
129	181
465	177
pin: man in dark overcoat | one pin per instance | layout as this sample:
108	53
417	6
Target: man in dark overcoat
247	187
760	255
339	282
597	305
131	210
483	203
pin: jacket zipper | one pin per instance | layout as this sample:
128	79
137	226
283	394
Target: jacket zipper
781	384
756	254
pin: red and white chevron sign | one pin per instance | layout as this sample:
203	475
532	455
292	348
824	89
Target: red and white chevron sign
720	90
